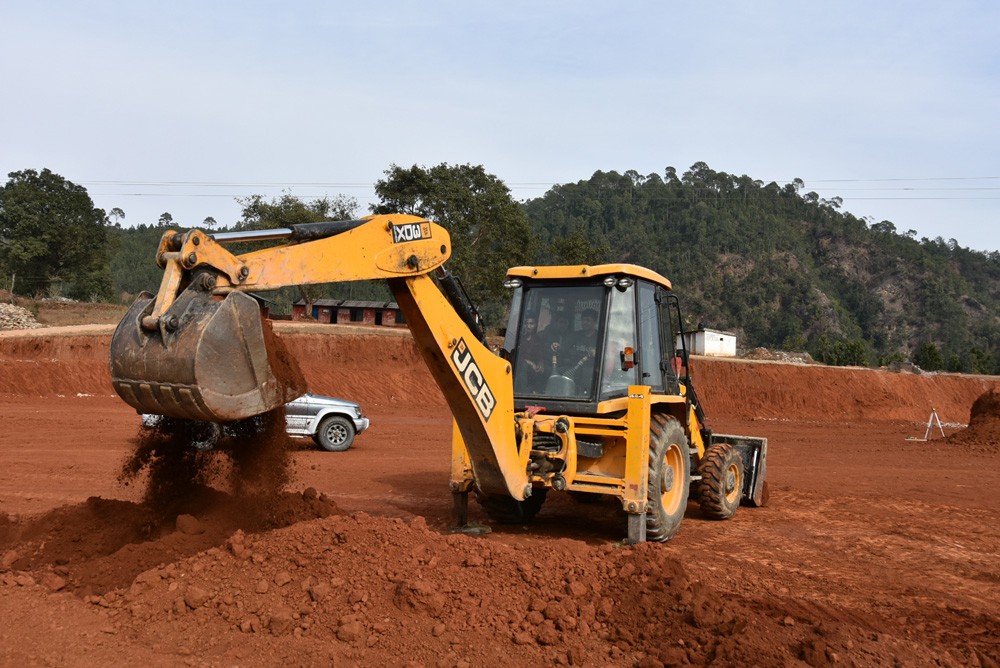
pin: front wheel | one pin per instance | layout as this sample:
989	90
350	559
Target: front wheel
335	433
668	483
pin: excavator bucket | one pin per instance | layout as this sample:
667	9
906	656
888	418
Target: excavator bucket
205	359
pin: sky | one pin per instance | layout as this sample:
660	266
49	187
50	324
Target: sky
183	107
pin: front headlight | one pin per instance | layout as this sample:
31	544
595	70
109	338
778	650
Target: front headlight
357	411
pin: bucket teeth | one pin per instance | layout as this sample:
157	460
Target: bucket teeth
163	399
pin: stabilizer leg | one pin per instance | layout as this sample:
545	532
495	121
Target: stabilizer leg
636	528
460	508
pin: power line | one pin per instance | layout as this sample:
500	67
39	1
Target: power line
925	178
152	188
228	184
519	185
648	199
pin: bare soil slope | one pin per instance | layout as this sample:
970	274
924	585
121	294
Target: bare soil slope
875	550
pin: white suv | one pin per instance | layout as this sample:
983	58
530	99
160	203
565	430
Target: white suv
332	423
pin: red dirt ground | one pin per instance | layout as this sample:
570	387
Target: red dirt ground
874	550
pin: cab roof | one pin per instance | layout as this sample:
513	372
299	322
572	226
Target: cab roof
576	271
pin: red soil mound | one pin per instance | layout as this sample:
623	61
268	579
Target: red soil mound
52	362
102	544
383	588
374	370
983	432
383	370
232	576
753	390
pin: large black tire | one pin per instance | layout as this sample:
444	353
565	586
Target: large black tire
721	485
335	433
506	510
669	479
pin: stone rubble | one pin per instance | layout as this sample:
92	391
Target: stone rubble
16	317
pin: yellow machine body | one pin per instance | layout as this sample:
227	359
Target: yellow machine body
200	350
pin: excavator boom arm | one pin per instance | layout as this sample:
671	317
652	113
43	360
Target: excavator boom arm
197	351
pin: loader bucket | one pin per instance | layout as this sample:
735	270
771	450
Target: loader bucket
209	359
753	450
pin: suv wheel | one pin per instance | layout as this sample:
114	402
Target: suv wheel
335	433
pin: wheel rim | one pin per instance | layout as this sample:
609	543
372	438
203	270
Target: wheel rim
671	488
732	484
336	434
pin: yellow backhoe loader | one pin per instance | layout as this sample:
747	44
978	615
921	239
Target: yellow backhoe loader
591	392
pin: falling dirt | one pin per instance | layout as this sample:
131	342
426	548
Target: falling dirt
283	365
874	550
171	457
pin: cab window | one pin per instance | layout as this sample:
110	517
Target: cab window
650	353
621	335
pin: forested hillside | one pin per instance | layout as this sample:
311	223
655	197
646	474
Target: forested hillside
780	267
785	269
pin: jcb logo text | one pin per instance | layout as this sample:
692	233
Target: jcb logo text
473	378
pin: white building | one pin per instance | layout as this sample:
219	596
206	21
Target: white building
710	342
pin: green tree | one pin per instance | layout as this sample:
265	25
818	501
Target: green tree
576	248
261	214
116	215
133	264
489	230
166	220
980	361
928	357
52	237
954	363
842	353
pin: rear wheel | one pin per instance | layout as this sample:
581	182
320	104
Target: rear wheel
335	433
507	510
721	485
668	482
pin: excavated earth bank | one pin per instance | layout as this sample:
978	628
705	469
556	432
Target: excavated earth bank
875	549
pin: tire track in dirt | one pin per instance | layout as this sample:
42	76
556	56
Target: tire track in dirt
860	585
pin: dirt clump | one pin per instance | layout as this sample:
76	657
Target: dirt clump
983	432
372	589
102	544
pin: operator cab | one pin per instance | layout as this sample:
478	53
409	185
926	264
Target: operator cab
580	335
